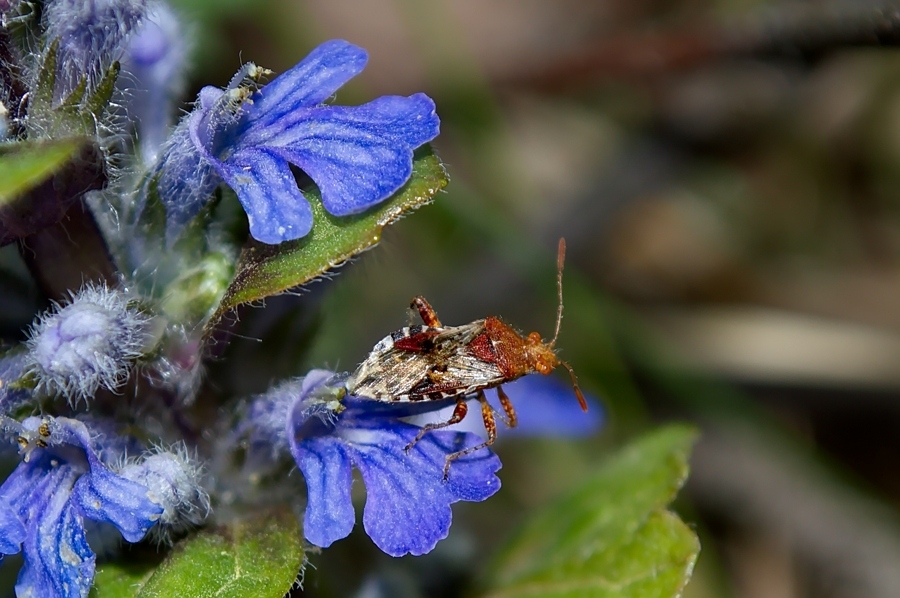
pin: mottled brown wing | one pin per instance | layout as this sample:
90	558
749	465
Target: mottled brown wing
420	363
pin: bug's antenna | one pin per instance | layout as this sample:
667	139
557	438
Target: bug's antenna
560	260
578	393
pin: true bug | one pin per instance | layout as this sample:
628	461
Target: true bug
435	362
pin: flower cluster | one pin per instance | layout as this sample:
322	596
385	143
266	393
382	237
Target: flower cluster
66	476
106	397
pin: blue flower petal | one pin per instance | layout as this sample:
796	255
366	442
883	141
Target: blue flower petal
357	155
265	186
12	531
104	496
545	406
58	560
14	498
107	497
310	82
60	481
22	494
407	500
326	468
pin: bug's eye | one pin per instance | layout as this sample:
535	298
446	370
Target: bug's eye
543	367
534	338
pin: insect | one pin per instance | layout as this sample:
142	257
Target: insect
435	362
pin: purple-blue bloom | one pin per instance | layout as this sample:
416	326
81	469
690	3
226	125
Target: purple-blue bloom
408	501
358	156
545	406
64	478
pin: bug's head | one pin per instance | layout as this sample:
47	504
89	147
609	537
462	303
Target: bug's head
541	355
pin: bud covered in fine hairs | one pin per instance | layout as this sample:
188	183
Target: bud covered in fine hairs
173	481
90	343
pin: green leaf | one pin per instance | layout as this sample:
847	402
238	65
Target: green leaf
613	536
260	558
25	165
97	103
266	270
42	99
121	580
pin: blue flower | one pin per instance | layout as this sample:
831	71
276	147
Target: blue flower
545	406
408	500
358	156
63	479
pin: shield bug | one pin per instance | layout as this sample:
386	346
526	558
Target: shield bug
433	362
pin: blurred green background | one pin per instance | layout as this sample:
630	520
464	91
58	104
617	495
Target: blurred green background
726	177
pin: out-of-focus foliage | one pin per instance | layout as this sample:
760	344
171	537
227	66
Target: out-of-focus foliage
24	166
612	535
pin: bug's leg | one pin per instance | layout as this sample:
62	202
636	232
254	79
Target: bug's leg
490	426
511	420
458	414
425	310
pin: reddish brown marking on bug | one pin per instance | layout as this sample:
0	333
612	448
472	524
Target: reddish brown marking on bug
482	347
515	356
417	343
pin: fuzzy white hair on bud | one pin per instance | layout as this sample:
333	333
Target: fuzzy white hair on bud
92	342
172	477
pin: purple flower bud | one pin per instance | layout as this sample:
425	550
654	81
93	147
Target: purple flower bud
88	344
173	480
92	35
